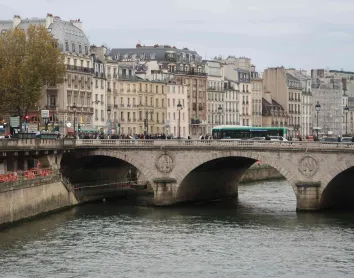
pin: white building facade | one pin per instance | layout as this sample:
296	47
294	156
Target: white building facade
177	118
216	109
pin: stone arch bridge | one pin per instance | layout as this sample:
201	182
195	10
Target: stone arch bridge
320	173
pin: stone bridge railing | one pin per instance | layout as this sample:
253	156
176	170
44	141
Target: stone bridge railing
214	143
29	144
35	144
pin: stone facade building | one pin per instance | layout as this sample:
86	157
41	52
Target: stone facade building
177	93
257	95
286	90
216	109
273	114
329	91
77	88
166	63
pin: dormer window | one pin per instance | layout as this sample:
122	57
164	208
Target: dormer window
152	56
66	46
80	48
73	47
86	50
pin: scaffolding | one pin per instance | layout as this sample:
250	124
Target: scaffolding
328	92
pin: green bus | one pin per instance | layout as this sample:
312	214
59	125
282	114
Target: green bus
247	132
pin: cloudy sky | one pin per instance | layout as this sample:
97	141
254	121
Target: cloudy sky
302	34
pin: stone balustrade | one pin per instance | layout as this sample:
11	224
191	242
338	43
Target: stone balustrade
30	144
215	143
35	143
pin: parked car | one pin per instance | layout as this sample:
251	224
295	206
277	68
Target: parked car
277	138
346	140
257	138
329	139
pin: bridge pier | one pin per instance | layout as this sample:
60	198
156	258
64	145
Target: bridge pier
308	196
164	191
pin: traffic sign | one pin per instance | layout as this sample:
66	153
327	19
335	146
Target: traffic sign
45	113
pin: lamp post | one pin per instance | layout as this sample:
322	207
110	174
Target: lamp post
109	110
346	110
317	108
219	113
179	108
74	108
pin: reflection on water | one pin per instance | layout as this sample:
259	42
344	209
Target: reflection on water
260	235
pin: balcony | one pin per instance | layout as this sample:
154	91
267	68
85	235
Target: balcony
109	90
79	69
115	105
121	105
129	105
195	122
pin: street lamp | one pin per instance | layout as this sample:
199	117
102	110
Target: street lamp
346	110
219	113
74	108
317	108
179	108
109	119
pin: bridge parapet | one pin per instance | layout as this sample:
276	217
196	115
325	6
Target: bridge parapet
28	144
214	143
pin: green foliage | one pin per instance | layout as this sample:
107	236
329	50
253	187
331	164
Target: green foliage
29	60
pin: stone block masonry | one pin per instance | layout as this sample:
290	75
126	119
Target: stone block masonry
31	200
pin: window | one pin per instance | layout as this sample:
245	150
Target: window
73	47
80	48
86	50
66	46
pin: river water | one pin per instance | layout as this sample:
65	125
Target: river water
260	235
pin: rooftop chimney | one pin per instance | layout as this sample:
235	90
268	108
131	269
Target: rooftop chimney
49	20
77	23
16	21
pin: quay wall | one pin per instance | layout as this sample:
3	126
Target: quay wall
260	173
29	199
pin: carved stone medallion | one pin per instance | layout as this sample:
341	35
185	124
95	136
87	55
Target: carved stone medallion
308	166
165	163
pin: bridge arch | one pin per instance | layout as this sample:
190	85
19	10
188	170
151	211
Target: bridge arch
338	189
228	167
145	174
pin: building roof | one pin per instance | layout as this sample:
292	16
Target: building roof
160	52
291	77
63	31
267	107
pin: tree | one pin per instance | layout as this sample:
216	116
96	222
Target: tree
29	60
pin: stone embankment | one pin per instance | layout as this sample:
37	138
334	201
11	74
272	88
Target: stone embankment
28	198
260	173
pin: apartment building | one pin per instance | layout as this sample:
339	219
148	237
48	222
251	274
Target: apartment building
329	91
257	95
177	110
60	98
216	109
164	63
286	90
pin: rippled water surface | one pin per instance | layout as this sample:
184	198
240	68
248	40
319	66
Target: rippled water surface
261	235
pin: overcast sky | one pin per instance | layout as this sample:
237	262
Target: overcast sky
302	34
